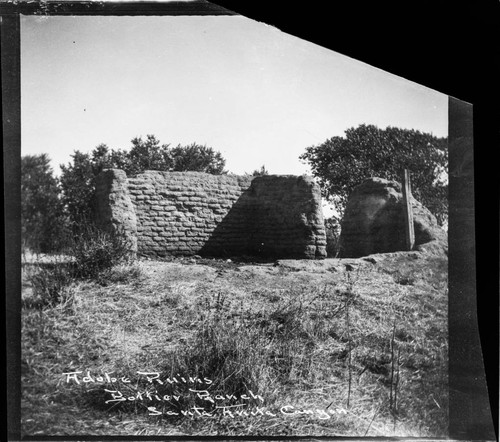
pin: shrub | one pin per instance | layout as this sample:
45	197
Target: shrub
96	251
228	355
49	284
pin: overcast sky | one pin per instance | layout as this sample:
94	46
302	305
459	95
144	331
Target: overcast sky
254	93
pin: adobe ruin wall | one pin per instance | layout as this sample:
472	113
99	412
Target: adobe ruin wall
188	213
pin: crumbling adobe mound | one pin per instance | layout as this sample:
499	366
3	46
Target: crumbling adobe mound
374	222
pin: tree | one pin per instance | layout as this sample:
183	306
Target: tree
150	155
78	178
341	163
78	183
197	158
147	155
42	218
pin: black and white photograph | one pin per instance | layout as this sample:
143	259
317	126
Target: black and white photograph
230	231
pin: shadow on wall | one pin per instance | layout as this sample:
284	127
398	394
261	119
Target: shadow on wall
231	237
281	217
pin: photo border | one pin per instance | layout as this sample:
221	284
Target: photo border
470	416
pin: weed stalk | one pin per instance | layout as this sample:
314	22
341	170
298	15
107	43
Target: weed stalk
348	298
391	394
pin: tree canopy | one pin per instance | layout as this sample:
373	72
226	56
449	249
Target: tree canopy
78	177
341	163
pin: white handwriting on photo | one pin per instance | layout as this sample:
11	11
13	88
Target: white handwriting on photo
247	404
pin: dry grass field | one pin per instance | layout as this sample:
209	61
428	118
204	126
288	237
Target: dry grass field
287	348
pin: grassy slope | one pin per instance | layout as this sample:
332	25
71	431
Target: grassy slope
309	335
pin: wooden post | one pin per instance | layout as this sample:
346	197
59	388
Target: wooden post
408	210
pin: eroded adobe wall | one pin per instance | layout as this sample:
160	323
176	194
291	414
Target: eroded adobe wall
374	222
288	219
115	212
187	213
178	212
